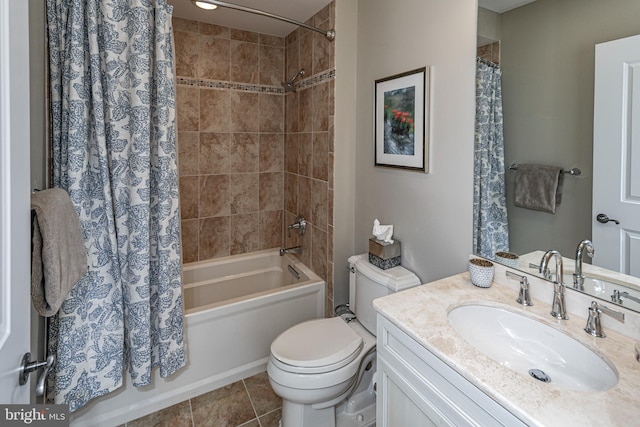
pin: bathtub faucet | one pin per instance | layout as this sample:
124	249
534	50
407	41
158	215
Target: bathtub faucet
291	250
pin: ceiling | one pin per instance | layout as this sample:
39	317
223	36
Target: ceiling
300	10
501	6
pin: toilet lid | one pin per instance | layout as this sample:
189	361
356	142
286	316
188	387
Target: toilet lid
315	343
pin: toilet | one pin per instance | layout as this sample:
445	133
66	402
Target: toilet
324	369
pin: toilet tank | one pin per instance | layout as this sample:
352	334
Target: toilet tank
368	282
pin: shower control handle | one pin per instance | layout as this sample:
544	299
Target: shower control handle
300	225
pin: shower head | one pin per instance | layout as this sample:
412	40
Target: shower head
288	85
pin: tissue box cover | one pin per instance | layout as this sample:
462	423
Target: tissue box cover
384	264
384	255
384	250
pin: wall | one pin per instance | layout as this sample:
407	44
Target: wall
37	103
548	70
489	52
230	139
308	145
38	145
431	213
344	205
252	157
489	26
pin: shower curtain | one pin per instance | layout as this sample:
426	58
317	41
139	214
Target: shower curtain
113	119
490	231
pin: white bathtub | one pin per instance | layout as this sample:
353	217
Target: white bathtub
234	308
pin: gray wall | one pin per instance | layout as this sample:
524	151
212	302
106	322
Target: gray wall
344	205
431	213
37	76
548	67
489	26
37	123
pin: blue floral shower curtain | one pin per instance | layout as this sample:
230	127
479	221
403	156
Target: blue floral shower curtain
113	149
490	227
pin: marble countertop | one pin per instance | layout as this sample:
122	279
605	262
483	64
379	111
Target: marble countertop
422	311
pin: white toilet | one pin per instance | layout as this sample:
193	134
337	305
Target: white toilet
324	369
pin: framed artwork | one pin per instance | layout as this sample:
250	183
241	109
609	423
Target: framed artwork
401	110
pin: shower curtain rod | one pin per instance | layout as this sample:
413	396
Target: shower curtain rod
329	34
487	62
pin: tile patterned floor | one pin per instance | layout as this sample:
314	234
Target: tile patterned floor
246	403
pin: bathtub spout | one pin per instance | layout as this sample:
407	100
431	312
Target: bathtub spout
291	250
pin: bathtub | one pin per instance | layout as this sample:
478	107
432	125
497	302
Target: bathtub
234	308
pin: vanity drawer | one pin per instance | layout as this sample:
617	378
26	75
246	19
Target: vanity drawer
429	386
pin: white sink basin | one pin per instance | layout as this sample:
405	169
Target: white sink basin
533	348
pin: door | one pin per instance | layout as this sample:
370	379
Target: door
14	198
616	156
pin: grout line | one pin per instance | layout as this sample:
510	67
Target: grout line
193	422
251	401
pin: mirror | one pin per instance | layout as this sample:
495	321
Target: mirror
547	62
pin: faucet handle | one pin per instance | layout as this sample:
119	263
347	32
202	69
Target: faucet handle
593	326
300	224
546	274
523	297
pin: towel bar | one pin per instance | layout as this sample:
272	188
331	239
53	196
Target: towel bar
574	171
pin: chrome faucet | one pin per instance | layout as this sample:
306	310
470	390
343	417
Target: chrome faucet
578	277
300	225
558	308
593	322
291	250
617	297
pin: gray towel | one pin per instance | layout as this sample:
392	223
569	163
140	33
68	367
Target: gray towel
58	258
538	187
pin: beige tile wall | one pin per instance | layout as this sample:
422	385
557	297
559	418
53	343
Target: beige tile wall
490	52
308	145
251	157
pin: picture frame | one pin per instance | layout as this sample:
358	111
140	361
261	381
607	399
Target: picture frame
401	112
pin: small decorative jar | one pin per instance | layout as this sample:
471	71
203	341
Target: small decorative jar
481	272
508	258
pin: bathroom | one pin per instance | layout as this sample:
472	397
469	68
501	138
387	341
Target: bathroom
443	37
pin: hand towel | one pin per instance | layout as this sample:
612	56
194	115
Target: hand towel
58	258
538	187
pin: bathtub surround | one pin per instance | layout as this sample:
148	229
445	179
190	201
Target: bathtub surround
309	145
489	52
252	158
113	151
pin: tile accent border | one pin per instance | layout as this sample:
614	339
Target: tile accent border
244	87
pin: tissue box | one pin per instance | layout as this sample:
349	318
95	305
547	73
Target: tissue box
383	254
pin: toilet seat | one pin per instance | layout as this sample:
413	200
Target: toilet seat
316	346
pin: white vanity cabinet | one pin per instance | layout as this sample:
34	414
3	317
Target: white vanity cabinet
415	388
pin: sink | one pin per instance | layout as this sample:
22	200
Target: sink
528	346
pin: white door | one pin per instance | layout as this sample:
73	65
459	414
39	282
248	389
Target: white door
616	156
14	198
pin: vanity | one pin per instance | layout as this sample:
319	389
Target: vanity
428	374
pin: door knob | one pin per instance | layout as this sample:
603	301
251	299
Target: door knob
603	218
28	366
